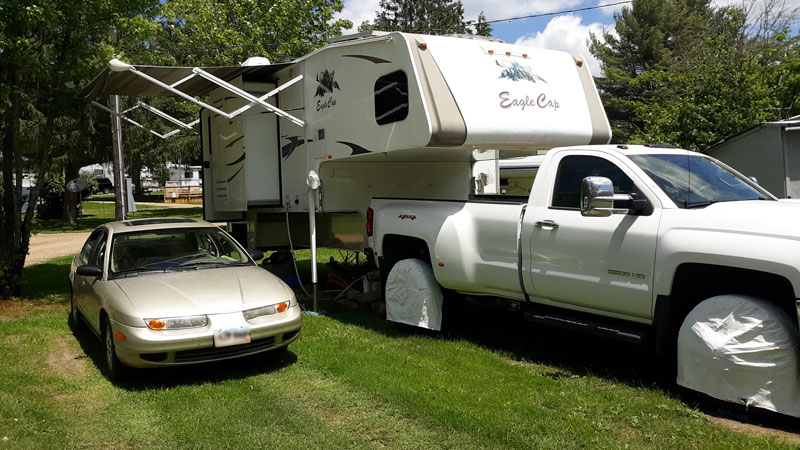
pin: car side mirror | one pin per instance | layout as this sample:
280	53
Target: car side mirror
597	198
257	255
89	271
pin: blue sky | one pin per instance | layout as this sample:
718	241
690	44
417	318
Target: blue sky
567	32
564	32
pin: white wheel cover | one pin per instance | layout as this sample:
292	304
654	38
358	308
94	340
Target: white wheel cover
742	350
413	296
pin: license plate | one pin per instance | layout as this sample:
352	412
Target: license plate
232	336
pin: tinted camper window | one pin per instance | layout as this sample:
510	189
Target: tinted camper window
391	98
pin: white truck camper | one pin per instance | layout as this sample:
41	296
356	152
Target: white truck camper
402	146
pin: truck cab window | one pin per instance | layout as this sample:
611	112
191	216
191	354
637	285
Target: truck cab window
391	98
573	169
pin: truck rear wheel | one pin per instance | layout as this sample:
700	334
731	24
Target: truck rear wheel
743	350
413	296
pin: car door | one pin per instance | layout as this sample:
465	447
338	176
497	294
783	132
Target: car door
80	283
603	263
86	286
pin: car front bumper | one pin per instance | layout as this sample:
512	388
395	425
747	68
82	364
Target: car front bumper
143	347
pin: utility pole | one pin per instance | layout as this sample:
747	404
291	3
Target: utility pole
118	163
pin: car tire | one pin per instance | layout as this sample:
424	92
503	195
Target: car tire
75	320
115	370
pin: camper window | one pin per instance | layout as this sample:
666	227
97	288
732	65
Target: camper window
391	98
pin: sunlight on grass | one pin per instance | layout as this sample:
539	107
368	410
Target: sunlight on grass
96	213
351	380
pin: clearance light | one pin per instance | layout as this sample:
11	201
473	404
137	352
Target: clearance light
579	63
120	336
524	55
508	53
441	264
423	46
491	52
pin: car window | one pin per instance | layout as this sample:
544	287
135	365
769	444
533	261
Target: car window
174	249
573	169
99	256
89	246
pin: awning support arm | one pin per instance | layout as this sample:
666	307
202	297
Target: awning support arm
118	66
133	122
248	96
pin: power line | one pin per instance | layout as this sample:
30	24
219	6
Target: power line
556	13
278	44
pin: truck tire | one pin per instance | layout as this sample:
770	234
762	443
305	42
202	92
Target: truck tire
413	296
742	350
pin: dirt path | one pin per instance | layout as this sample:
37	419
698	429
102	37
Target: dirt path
49	246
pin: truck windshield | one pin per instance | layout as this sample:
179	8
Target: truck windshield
693	181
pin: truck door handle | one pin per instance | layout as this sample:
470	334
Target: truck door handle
550	224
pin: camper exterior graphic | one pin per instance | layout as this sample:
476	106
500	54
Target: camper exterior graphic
392	144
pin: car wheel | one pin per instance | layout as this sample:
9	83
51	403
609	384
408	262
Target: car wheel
75	321
115	370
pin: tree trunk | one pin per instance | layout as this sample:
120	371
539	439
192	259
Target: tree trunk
10	220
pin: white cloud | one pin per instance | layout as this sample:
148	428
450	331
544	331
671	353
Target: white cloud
358	11
610	10
569	34
513	8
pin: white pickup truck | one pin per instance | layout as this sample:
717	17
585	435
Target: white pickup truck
637	243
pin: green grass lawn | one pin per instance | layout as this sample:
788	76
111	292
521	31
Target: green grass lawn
96	213
351	380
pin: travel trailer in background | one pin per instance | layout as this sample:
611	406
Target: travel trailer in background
179	175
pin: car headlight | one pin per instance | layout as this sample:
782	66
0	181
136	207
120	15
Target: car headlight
176	323
254	313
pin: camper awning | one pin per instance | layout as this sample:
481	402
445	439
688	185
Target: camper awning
110	82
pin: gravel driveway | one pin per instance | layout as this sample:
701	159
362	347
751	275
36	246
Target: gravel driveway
49	246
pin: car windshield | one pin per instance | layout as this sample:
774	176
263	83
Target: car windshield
693	181
174	249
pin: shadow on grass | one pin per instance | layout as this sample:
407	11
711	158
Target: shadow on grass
191	375
491	326
47	279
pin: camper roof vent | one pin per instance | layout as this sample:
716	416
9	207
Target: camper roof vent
255	61
363	35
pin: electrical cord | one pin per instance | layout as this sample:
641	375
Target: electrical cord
297	272
294	259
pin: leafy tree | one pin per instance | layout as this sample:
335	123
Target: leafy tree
419	16
45	48
481	27
649	34
693	81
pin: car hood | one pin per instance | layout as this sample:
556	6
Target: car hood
205	291
777	219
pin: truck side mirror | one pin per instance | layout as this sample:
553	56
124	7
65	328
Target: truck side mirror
597	198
